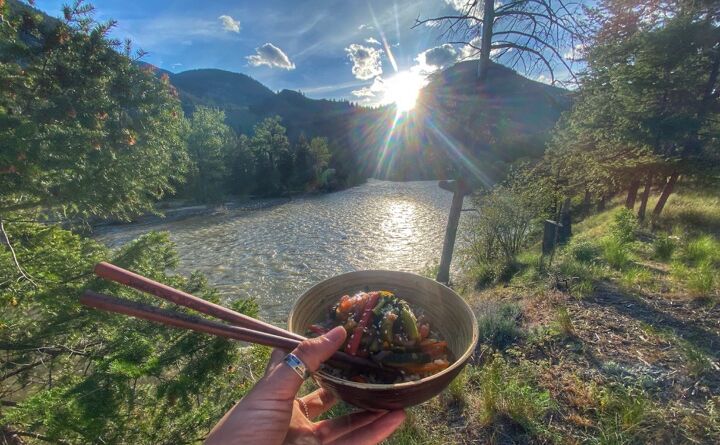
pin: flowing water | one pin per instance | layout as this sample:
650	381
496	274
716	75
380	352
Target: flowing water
274	254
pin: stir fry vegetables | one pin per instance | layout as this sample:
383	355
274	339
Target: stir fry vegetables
384	328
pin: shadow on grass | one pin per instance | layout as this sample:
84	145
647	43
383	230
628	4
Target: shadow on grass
608	295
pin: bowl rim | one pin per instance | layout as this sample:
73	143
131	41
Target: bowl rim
460	362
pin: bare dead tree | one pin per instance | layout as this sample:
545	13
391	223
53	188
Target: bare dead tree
535	36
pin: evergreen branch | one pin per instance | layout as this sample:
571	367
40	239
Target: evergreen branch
6	240
10	434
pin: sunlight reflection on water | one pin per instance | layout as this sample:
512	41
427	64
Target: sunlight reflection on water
275	254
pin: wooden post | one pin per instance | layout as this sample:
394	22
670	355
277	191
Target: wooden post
551	231
459	190
565	222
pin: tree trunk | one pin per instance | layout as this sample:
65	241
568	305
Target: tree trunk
632	194
486	42
587	199
601	203
644	197
667	190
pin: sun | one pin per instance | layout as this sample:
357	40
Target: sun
403	88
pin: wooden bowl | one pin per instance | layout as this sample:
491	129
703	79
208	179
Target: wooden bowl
447	311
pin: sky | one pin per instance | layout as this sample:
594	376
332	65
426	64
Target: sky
341	49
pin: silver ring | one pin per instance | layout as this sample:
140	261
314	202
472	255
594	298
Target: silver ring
297	365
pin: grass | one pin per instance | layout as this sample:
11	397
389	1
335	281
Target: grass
701	280
615	253
703	249
695	359
557	369
664	247
507	395
636	277
625	416
584	251
563	323
695	211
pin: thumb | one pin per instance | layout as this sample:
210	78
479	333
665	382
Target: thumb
284	382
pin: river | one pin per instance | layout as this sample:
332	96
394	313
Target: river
275	253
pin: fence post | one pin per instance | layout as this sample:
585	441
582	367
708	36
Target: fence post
551	231
459	189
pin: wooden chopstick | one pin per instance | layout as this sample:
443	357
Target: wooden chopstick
185	321
131	279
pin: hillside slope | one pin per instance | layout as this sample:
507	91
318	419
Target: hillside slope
459	126
493	124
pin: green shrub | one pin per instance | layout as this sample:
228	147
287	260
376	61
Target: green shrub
663	247
616	253
584	251
483	274
498	324
624	226
702	249
575	270
498	271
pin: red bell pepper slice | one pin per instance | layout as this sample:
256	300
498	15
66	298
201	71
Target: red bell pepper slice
354	344
316	329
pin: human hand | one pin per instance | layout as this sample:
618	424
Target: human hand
270	414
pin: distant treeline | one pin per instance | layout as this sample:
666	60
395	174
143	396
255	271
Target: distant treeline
264	163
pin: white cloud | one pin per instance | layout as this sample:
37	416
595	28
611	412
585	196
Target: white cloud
229	23
544	79
575	53
471	51
372	41
365	26
471	6
461	5
438	57
372	90
272	56
366	61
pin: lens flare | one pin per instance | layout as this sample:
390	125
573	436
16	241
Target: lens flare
402	90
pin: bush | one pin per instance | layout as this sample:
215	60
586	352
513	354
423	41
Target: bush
615	253
624	226
663	247
505	225
584	251
498	324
